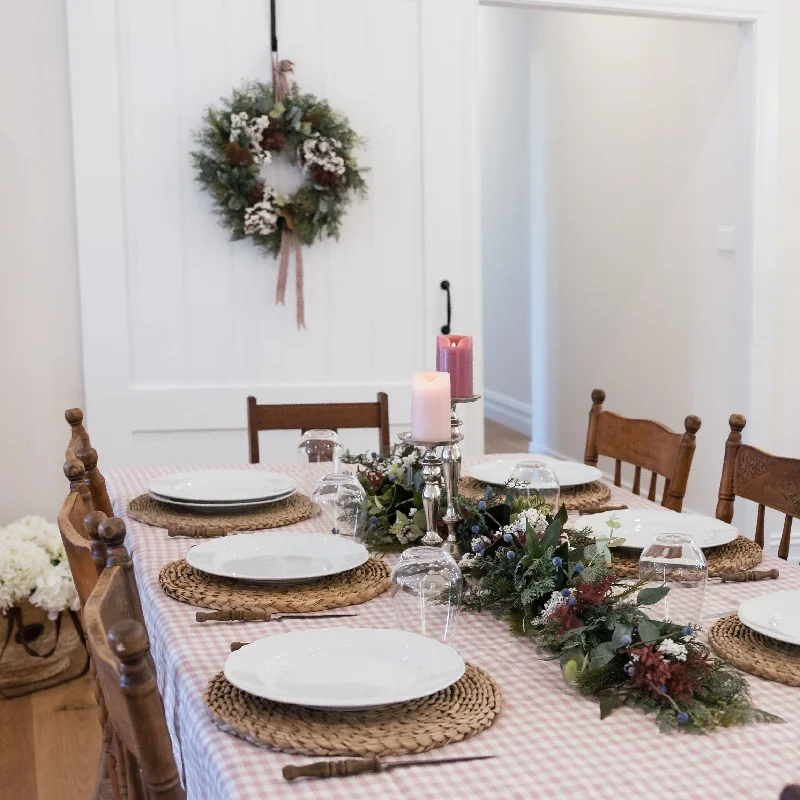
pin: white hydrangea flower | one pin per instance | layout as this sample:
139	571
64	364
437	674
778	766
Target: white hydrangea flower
253	131
321	151
263	216
673	649
33	567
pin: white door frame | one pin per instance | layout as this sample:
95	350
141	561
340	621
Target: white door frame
762	15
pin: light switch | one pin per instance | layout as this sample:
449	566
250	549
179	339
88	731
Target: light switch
725	240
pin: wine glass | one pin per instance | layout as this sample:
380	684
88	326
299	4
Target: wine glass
318	446
535	479
340	502
427	589
676	562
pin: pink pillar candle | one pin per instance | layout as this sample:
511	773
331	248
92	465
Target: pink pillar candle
430	406
454	355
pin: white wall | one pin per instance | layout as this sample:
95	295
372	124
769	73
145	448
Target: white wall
40	360
505	149
640	167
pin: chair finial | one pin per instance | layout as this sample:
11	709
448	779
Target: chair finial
598	396
692	424
737	422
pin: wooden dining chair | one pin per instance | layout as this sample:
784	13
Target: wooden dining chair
304	417
647	445
143	763
81	448
86	555
771	481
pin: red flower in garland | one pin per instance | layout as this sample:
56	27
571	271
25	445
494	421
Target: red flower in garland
589	595
566	617
652	672
687	677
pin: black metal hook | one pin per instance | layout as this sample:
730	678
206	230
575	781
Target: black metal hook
445	286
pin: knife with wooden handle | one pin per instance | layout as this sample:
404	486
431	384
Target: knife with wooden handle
749	575
356	766
258	614
196	532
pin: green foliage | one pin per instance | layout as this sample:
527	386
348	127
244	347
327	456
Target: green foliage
316	210
606	645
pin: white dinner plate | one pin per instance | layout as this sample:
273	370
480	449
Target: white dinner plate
776	615
569	473
219	508
344	668
222	485
638	527
277	556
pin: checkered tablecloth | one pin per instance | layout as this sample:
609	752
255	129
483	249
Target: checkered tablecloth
549	741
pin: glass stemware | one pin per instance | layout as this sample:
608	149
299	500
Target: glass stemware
534	478
427	590
676	562
340	504
319	446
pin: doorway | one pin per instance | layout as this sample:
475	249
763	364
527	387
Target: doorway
616	197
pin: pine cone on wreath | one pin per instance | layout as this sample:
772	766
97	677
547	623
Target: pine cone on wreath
238	155
256	194
273	140
322	177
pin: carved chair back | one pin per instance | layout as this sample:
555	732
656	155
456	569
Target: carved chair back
770	481
80	447
647	445
78	523
142	759
318	415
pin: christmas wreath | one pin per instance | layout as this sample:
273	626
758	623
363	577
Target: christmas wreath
259	122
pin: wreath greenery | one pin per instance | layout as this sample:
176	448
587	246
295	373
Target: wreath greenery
246	132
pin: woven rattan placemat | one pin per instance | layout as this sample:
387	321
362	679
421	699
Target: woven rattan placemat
283	512
754	653
350	588
575	498
467	707
736	556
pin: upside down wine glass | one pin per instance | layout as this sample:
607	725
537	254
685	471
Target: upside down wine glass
675	562
340	505
534	478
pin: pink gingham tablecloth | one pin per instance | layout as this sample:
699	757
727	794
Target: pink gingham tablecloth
550	742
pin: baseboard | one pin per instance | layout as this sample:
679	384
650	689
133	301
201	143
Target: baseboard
505	410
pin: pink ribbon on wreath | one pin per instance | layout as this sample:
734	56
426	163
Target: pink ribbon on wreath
280	82
290	241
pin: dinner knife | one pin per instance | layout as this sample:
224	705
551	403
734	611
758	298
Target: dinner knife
355	766
257	614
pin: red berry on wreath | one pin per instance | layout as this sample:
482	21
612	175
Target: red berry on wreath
322	177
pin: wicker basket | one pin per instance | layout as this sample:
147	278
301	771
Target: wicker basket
35	651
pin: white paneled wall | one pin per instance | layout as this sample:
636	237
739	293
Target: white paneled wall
181	323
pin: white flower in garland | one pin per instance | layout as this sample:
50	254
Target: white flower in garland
556	599
468	560
673	649
262	217
538	523
34	567
253	131
321	151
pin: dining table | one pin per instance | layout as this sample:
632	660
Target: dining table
548	741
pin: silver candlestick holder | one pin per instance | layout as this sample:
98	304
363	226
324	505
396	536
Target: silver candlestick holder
432	490
451	468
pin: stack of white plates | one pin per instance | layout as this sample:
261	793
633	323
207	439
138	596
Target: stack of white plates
344	668
216	491
638	527
775	615
569	473
277	557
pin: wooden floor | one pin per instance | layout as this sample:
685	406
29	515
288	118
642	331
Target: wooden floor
50	741
499	439
50	744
